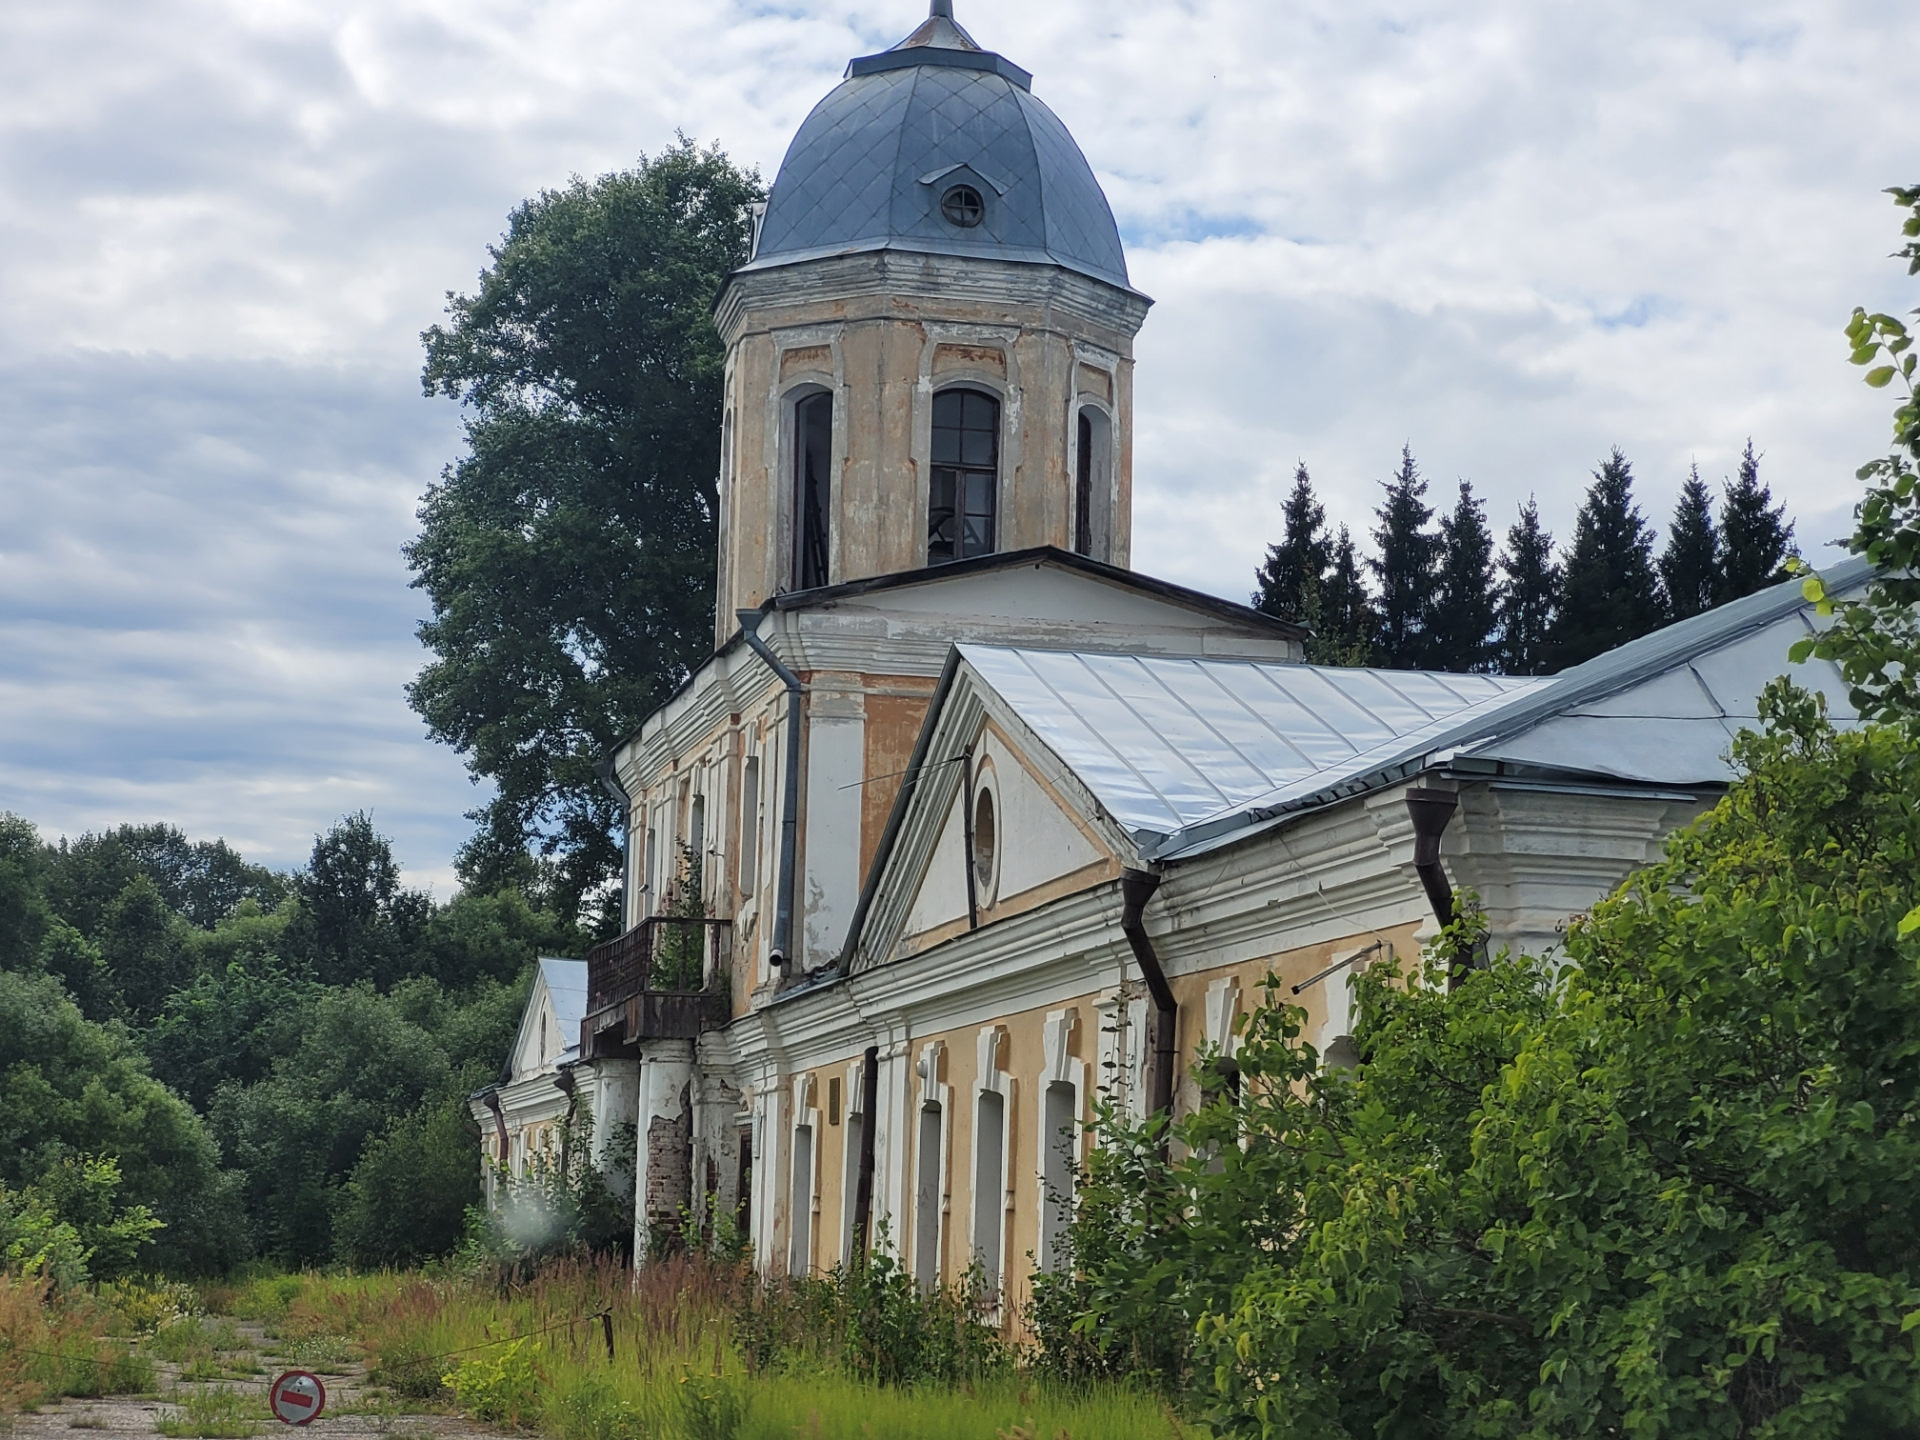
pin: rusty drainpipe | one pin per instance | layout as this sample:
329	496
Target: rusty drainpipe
565	1081
1136	889
1430	811
492	1099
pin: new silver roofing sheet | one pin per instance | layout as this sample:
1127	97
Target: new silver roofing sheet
1167	743
567	985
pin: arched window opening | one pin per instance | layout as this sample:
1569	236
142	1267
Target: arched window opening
800	1210
926	1199
749	828
966	475
989	1186
1091	483
1059	1128
813	498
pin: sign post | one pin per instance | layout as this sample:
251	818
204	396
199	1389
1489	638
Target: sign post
298	1397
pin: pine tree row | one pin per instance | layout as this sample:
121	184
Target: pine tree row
1438	597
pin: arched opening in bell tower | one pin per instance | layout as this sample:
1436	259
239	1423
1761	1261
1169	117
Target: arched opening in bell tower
1092	483
812	489
964	491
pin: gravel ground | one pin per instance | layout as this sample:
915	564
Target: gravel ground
351	1410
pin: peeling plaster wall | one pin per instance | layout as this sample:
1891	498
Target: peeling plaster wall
883	332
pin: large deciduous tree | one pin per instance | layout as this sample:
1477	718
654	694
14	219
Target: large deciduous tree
569	554
1611	595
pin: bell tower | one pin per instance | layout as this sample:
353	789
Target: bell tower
930	352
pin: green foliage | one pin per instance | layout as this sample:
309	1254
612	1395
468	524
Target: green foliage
568	554
1463	618
1755	537
407	1198
1289	581
1690	564
1344	631
871	1320
354	921
70	1088
355	1065
1529	599
712	1407
1409	557
23	906
212	1412
502	1386
1667	1191
1875	640
1610	595
563	1206
35	1241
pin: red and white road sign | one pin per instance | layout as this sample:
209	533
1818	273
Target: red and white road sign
298	1397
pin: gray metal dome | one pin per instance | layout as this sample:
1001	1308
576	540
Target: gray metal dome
873	163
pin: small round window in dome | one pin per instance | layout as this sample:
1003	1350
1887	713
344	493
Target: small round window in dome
963	206
983	841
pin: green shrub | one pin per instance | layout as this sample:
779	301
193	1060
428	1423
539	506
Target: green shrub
503	1387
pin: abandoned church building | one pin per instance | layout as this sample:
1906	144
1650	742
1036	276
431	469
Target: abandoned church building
964	822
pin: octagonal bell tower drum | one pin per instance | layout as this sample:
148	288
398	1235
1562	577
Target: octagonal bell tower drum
930	354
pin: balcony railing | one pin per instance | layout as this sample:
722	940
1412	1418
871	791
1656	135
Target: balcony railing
665	979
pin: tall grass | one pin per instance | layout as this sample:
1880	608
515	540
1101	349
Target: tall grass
55	1343
533	1354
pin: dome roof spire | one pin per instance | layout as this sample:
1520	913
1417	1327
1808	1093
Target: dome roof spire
939	31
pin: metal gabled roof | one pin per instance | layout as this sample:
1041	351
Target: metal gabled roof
1168	743
1191	753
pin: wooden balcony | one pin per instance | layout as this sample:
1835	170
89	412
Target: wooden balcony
665	979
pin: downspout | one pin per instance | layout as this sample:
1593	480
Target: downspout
565	1082
1136	888
790	813
492	1099
1430	811
869	1122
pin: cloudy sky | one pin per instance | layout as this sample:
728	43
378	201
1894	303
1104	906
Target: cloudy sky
1510	232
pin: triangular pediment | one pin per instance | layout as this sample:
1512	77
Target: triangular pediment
982	769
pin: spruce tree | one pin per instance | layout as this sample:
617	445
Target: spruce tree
1347	622
1406	568
1754	539
1690	565
1463	612
1529	596
1290	580
1611	595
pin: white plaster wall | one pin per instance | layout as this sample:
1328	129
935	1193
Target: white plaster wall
942	896
1038	842
836	758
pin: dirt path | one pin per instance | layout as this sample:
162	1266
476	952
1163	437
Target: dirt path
353	1409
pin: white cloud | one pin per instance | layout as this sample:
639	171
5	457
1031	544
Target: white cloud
1511	234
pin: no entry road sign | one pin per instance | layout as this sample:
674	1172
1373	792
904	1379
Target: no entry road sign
298	1397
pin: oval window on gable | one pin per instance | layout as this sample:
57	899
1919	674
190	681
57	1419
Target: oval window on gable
985	844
